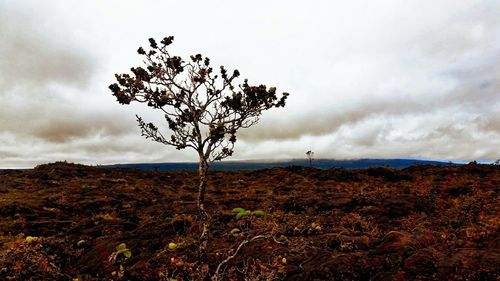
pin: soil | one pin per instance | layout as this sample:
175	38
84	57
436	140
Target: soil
65	221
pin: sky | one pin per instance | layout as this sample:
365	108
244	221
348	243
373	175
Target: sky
367	79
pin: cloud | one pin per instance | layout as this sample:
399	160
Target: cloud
446	87
377	79
43	94
447	134
32	59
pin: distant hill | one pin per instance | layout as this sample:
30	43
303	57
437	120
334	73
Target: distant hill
258	165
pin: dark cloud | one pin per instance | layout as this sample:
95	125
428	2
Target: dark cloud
8	154
60	130
43	81
35	60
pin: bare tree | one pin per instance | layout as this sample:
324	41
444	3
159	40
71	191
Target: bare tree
203	110
310	155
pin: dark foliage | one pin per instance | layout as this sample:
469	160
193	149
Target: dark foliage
204	108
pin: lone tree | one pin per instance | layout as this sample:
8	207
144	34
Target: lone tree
203	110
310	155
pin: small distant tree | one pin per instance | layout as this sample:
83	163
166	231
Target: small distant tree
310	155
203	110
497	162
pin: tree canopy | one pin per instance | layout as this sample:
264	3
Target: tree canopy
203	108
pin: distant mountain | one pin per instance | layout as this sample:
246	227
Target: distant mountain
258	165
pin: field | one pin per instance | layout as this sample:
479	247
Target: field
66	221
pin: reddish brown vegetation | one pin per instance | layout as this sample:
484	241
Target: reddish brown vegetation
420	223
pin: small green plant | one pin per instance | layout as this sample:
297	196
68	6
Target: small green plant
31	239
120	250
235	231
241	213
172	246
259	213
238	210
122	253
282	239
316	226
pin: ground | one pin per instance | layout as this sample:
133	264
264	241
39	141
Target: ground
64	221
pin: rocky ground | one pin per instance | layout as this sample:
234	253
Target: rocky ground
65	221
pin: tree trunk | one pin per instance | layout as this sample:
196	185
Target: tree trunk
204	219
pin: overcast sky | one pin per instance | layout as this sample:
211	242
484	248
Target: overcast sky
368	79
